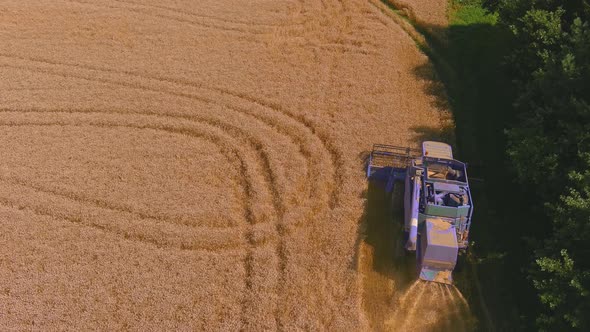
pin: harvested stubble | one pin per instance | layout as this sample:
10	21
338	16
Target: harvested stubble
194	165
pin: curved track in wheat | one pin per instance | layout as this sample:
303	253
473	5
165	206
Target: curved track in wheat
197	165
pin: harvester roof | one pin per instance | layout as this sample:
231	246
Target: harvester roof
437	150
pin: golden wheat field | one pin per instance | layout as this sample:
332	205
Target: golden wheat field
431	13
198	165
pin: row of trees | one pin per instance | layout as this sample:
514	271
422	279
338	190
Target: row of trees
549	147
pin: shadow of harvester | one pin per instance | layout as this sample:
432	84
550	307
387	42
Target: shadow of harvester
383	234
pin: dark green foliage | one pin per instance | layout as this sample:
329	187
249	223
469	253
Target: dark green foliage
513	10
549	147
555	123
563	277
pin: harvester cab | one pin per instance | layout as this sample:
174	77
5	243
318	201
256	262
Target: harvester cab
437	202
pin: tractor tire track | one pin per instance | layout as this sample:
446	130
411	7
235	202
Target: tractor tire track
12	204
255	28
337	162
269	176
194	14
328	79
266	121
103	203
339	48
344	41
106	205
173	18
310	128
390	19
249	216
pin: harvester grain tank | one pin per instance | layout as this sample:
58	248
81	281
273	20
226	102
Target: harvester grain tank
437	202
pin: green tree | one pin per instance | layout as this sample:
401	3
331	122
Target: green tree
563	277
549	148
553	102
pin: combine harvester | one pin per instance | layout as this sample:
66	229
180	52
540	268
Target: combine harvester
437	202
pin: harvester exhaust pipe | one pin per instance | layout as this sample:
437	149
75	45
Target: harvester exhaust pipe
412	239
415	203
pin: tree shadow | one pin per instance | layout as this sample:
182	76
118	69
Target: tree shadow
478	86
445	134
467	76
434	86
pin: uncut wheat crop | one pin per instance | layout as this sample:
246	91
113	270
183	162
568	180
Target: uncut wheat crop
198	165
